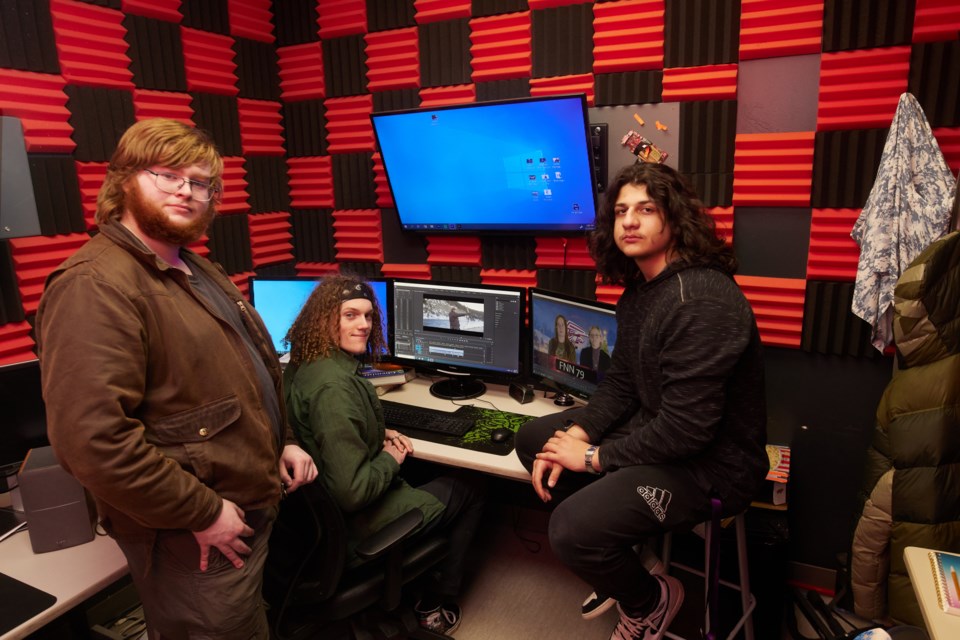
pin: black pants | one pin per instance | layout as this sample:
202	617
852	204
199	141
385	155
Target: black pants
597	520
464	498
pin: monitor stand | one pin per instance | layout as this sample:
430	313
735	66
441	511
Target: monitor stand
458	388
563	399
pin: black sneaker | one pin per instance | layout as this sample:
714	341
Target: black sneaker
653	626
444	619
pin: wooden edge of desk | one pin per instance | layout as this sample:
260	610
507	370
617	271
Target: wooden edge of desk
507	466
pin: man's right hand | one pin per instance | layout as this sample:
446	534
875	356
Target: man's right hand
544	467
225	534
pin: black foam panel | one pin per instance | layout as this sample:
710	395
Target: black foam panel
26	36
304	124
57	192
363	270
575	282
845	166
930	63
396	100
708	136
312	231
206	15
508	252
229	243
11	307
700	32
444	53
218	116
258	73
353	181
390	14
109	4
503	89
483	8
295	21
772	242
865	24
156	54
562	40
404	247
99	117
345	66
267	184
452	273
628	87
278	270
829	326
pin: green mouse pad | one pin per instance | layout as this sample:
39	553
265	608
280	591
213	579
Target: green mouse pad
19	602
478	438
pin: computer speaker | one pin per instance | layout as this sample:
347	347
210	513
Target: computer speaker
58	509
522	393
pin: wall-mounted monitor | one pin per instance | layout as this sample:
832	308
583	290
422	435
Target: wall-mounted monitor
521	165
279	299
465	331
18	205
571	342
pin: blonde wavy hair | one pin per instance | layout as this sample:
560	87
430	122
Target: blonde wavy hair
315	332
156	141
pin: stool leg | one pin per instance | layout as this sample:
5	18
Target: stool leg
744	569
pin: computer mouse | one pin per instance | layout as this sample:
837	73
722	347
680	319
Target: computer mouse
501	434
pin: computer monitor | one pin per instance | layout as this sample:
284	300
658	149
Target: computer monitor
465	331
278	300
518	166
571	342
24	424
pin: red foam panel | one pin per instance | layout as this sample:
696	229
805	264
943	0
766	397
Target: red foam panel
393	59
16	345
550	4
833	255
454	250
90	176
35	257
242	281
209	62
381	186
949	140
408	271
773	169
163	104
311	182
235	196
341	18
271	241
317	269
563	253
437	10
261	132
861	89
348	124
778	306
773	28
251	19
500	47
525	278
168	10
710	82
199	246
301	72
936	20
358	235
628	36
723	217
91	45
559	85
454	94
39	101
609	293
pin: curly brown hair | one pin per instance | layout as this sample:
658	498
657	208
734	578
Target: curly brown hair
155	141
695	240
314	334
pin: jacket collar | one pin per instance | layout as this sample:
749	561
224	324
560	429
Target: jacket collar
123	237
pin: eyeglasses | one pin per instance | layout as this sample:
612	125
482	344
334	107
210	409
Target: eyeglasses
170	183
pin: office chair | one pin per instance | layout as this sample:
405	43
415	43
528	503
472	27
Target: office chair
312	590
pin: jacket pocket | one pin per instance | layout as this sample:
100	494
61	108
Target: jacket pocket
195	425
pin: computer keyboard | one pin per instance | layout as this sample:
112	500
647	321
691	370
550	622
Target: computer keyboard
404	416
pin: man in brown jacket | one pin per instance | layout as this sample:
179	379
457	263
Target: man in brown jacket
163	392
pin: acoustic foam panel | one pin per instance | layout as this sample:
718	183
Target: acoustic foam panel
39	100
251	19
707	143
57	192
267	184
833	254
575	282
866	24
930	63
156	54
313	235
562	41
105	64
451	273
206	15
700	32
342	18
860	89
616	49
564	252
829	327
778	95
481	8
508	252
404	246
629	87
353	181
295	21
301	72
502	89
26	36
395	100
500	47
235	196
36	257
845	166
11	308
270	239
163	104
99	116
357	235
444	53
390	14
229	243
219	116
772	242
392	59
257	69
209	61
261	129
461	250
311	182
344	66
304	125
769	30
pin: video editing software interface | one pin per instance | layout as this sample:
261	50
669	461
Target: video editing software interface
457	327
558	321
279	300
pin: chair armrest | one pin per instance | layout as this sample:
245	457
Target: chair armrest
378	542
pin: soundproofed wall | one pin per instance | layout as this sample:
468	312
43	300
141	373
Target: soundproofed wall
778	111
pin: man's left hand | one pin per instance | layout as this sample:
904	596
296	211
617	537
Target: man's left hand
296	467
566	450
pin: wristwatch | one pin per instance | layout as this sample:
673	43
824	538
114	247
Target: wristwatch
588	459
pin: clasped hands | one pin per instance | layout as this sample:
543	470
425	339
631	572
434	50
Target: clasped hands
397	445
564	450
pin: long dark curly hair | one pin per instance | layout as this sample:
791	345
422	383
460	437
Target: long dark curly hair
695	240
315	332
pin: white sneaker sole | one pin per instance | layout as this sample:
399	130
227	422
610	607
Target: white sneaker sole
601	608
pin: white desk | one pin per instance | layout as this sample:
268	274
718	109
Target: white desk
417	392
940	625
71	575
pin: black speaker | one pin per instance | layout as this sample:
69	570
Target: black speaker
522	393
58	509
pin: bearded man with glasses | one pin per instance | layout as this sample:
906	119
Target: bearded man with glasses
163	391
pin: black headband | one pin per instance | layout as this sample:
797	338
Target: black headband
359	290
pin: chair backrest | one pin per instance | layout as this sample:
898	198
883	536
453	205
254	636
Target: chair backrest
308	547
